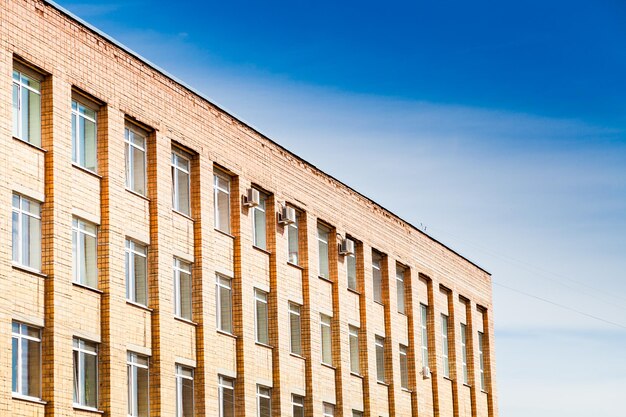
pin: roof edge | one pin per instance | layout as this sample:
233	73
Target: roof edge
243	122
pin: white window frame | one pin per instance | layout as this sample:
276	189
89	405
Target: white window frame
81	370
260	395
176	155
79	227
379	343
356	278
133	363
400	295
225	383
297	401
180	375
133	249
262	297
445	346
326	321
404	366
295	310
20	108
464	353
77	151
21	335
179	266
322	241
424	333
261	208
20	231
217	189
328	409
377	277
219	284
481	360
293	257
130	158
353	337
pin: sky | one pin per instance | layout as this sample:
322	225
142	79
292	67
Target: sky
501	124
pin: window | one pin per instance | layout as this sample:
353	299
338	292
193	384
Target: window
136	272
221	197
26	232
296	328
297	405
445	346
356	413
26	356
329	410
322	239
224	303
327	351
464	352
182	289
377	277
400	288
262	332
85	373
292	239
184	391
424	324
259	226
84	241
355	366
26	107
226	396
138	385
351	267
83	136
481	359
264	401
135	148
380	359
181	182
404	367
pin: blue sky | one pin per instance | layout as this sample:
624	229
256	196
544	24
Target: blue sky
502	125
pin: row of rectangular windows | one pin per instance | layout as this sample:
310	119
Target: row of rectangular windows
26	380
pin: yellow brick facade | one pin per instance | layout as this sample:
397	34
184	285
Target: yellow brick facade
74	59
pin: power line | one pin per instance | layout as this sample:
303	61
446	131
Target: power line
559	305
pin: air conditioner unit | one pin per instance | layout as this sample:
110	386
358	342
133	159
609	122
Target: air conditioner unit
287	216
252	199
346	247
426	372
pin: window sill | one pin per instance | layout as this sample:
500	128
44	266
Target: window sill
263	345
354	291
135	193
224	233
184	320
87	170
329	366
356	375
406	390
383	383
295	355
225	333
34	400
141	306
447	378
78	284
325	279
31	145
484	392
29	270
467	385
295	266
379	303
402	313
265	251
186	216
85	408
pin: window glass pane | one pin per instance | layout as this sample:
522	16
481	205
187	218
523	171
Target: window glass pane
227	397
31	116
259	225
400	289
90	380
327	353
31	367
226	311
296	339
404	368
15	363
265	404
143	389
354	350
16	113
141	279
223	211
185	295
32	241
261	319
16	235
351	261
380	359
183	192
138	171
89	261
377	277
424	324
187	398
322	238
292	232
87	143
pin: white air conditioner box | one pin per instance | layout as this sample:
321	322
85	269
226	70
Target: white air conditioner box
287	216
346	247
253	198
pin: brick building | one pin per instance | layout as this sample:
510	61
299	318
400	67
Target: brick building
163	258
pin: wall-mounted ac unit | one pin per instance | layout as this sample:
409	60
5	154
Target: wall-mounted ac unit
426	372
346	247
252	198
287	215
